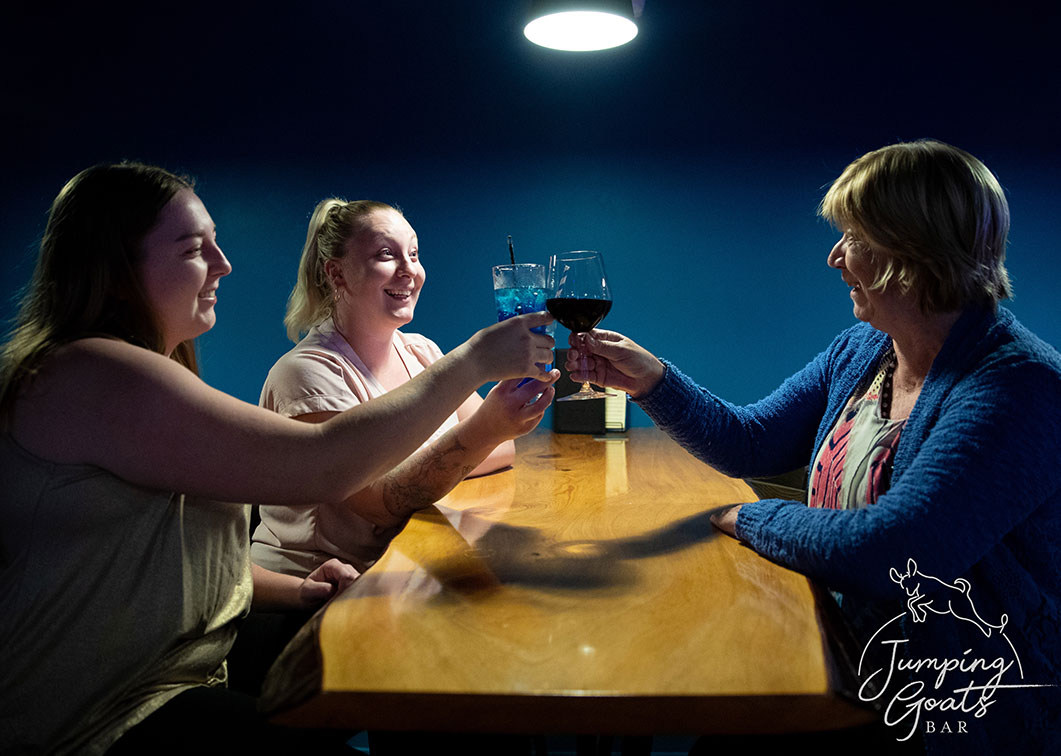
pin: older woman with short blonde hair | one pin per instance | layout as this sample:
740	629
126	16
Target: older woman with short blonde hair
932	430
945	232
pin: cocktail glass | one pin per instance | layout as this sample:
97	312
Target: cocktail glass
519	288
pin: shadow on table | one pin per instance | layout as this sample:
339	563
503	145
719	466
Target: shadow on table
504	554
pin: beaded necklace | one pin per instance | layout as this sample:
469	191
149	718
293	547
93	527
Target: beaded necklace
888	363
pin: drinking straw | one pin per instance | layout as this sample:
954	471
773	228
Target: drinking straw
511	252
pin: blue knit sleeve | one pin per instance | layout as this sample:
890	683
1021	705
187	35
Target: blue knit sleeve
771	436
986	465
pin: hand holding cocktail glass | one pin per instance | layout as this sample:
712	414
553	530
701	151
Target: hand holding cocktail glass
514	349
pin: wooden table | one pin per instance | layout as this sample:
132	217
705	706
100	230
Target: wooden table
583	591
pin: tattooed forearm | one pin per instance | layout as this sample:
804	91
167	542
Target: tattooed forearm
427	476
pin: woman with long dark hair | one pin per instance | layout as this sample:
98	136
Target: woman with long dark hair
123	571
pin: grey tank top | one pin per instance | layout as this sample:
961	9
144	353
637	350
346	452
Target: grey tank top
113	599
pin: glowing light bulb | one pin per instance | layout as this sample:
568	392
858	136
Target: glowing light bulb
580	31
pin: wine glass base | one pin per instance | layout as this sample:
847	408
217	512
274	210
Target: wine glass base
580	395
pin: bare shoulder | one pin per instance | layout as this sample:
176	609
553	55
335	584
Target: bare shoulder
86	357
87	384
153	422
98	369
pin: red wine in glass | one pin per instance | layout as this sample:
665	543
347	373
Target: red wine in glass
578	315
579	299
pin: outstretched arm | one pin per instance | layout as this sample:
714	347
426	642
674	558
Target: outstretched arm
432	471
501	456
769	437
152	422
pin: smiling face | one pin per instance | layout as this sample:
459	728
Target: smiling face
180	267
859	267
380	276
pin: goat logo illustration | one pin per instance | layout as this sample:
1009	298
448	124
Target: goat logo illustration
953	599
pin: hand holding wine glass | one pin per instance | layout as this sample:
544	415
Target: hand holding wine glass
579	299
610	359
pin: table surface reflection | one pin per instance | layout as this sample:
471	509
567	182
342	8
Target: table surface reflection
584	590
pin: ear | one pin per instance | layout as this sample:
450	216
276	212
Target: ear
334	272
896	577
911	565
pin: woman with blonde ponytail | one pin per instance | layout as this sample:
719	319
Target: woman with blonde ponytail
312	300
358	282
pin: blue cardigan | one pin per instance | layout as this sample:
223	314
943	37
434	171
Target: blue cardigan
975	494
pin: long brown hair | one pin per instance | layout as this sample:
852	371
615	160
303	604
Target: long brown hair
85	282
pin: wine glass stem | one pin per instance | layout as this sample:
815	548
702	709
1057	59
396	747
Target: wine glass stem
586	388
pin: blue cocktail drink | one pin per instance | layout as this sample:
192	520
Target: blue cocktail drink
519	301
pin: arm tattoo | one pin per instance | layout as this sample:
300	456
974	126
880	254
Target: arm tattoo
425	477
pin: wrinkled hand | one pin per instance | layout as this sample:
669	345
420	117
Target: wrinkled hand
510	411
615	361
510	349
726	520
325	582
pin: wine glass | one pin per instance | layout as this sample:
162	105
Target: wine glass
579	298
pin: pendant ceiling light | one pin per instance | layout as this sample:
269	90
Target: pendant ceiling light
581	25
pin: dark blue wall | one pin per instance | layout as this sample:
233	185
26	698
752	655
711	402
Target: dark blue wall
693	158
716	264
